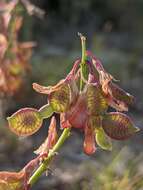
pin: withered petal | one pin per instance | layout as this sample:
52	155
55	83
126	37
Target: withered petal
50	140
89	140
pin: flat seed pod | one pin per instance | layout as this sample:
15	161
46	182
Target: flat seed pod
12	181
25	122
103	140
95	122
118	126
60	98
96	103
120	94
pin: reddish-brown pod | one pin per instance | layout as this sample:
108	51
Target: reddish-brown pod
118	126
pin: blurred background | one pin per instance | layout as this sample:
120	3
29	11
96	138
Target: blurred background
114	31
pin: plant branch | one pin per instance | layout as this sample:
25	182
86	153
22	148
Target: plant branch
66	133
83	66
43	167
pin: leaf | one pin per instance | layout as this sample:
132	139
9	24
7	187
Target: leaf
25	122
103	140
118	126
89	140
96	103
50	140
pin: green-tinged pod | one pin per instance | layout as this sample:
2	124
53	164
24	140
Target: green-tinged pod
25	122
46	111
96	103
60	96
103	140
118	126
59	99
95	122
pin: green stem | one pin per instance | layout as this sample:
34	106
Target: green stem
43	167
83	59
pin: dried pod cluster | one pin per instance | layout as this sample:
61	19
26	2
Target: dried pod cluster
14	55
85	109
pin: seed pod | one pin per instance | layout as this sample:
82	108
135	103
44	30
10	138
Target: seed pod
60	96
25	122
96	103
59	99
118	126
120	94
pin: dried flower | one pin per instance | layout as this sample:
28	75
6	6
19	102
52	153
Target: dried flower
50	140
18	180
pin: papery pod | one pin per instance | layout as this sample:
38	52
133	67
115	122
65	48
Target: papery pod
59	96
120	94
96	102
25	122
12	180
18	180
60	99
118	126
13	84
50	140
116	104
95	122
102	139
89	140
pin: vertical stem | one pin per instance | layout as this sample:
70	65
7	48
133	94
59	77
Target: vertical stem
83	59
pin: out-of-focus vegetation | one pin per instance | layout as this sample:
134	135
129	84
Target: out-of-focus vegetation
114	33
